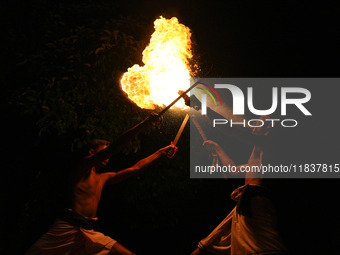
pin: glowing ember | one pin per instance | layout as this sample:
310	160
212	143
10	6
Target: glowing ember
166	66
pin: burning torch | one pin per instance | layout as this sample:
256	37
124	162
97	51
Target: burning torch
186	118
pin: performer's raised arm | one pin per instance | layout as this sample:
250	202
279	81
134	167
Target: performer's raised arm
255	159
115	177
241	134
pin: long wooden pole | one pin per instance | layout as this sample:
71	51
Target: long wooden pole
179	133
199	129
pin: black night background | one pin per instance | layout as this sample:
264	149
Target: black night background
62	62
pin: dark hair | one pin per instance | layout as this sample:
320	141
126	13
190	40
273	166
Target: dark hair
96	143
84	150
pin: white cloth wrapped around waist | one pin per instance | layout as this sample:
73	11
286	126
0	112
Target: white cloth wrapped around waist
63	238
242	235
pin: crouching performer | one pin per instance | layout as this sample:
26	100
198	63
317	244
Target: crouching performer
251	227
73	232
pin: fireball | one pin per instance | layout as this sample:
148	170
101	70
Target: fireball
166	68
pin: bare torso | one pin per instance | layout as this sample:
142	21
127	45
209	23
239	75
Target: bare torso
88	182
86	194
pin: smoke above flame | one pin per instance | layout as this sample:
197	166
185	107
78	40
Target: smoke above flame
166	67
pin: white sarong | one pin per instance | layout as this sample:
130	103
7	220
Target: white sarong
64	239
242	235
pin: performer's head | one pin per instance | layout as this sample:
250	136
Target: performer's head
97	145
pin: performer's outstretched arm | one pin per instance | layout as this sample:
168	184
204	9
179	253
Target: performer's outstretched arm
115	177
242	134
223	156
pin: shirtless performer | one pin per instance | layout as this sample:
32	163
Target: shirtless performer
250	228
73	232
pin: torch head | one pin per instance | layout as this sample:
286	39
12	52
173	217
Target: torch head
192	101
185	97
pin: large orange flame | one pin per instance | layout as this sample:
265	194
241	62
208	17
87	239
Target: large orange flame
166	67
